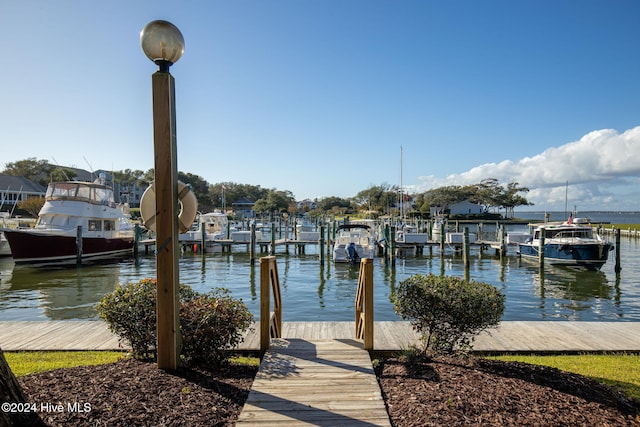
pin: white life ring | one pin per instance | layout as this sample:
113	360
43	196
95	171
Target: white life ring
188	207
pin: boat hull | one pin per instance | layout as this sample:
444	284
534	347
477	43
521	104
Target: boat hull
586	256
36	248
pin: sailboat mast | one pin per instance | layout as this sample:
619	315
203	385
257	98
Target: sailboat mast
401	188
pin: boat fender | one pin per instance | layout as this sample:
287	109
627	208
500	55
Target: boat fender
188	207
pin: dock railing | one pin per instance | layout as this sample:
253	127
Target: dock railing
364	304
270	321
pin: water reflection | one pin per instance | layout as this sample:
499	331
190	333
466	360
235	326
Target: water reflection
312	291
57	294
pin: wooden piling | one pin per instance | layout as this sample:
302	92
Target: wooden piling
79	245
465	247
541	247
618	266
321	245
252	244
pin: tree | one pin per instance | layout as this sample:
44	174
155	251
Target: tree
511	199
200	188
39	171
233	192
443	197
275	201
32	205
328	204
377	197
11	392
30	168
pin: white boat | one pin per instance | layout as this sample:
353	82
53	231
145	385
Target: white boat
215	225
354	242
409	234
439	224
78	221
5	249
571	244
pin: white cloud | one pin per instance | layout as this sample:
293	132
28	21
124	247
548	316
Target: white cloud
602	169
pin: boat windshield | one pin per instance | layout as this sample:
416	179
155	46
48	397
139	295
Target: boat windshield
80	191
578	233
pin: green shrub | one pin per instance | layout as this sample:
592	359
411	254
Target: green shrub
447	311
209	323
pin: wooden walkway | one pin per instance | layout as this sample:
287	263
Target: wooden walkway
320	375
512	336
315	382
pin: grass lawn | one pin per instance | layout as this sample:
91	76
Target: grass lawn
619	370
31	362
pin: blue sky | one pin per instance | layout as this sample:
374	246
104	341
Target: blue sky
317	97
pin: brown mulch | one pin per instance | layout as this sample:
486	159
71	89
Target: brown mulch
418	392
482	392
133	393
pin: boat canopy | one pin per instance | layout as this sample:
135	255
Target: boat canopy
353	226
96	194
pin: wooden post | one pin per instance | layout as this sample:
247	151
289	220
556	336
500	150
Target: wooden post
203	237
270	323
79	245
503	241
618	266
273	238
321	245
541	247
442	236
136	240
252	243
392	245
265	305
364	304
166	185
465	247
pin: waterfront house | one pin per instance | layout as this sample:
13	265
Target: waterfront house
464	207
14	189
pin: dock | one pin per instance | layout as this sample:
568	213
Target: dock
389	336
319	374
315	382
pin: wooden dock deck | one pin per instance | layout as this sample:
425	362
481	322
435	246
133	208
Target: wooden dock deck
510	336
315	382
319	374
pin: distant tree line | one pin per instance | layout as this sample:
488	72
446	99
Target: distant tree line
376	200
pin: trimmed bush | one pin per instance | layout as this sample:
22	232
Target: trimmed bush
447	311
209	323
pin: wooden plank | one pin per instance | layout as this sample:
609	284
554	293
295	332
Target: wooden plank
513	336
315	382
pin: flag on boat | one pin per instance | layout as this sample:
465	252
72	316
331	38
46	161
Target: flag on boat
570	220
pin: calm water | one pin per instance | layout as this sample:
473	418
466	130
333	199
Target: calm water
314	292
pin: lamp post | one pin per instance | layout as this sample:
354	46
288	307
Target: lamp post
163	44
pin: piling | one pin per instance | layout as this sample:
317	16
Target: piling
273	239
252	244
618	266
203	237
321	245
136	239
79	245
541	247
465	247
392	245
